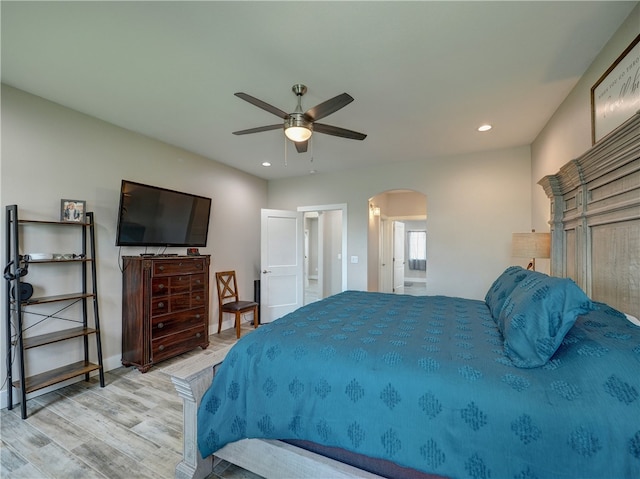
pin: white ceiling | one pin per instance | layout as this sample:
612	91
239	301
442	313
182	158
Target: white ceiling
424	75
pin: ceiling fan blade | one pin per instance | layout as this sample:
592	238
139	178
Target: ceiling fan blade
263	105
301	146
258	129
336	131
330	106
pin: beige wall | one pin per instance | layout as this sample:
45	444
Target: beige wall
568	133
402	203
475	202
50	152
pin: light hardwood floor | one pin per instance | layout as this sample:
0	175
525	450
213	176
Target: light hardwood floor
130	429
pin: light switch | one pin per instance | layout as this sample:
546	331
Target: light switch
354	259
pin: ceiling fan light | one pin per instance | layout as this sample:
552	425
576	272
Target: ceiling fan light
298	133
297	129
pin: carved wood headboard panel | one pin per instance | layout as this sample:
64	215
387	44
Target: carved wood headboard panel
595	219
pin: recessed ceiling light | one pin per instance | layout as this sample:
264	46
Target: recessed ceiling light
266	163
484	127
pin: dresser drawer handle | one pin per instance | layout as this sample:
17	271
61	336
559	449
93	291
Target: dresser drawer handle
161	286
160	304
198	298
197	316
161	348
161	268
160	325
197	335
198	281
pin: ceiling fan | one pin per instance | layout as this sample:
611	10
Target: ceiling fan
298	126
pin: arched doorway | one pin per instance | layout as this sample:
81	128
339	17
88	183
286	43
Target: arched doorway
397	242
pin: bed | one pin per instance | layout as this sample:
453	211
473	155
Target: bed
457	387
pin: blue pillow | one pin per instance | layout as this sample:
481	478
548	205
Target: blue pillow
502	288
536	316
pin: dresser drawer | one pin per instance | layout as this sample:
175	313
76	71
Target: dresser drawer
198	282
160	286
174	344
160	306
198	298
174	323
174	303
164	285
181	266
180	284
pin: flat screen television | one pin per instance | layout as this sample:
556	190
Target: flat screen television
153	216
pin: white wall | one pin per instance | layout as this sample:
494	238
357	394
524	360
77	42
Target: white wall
50	152
475	202
568	133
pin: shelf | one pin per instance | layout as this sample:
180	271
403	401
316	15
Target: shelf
84	320
54	376
44	261
41	340
59	297
63	223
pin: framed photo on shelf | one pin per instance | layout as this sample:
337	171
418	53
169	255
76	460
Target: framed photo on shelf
72	211
615	97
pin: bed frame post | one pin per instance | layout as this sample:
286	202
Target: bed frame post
553	190
192	378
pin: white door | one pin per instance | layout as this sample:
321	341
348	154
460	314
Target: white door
385	269
321	264
281	263
306	258
398	257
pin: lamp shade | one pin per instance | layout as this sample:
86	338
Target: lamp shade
531	245
297	133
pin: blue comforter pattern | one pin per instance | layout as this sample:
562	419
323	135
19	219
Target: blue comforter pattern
425	383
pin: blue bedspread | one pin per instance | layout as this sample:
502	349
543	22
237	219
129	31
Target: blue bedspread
425	383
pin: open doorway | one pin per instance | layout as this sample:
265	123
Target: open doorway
397	243
325	243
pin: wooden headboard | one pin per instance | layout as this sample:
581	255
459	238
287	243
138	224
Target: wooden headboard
595	219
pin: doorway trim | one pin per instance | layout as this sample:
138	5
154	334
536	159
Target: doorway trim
333	207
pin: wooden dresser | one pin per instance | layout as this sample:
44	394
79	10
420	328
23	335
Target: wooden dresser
165	307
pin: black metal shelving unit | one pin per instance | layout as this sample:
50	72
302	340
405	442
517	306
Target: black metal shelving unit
16	308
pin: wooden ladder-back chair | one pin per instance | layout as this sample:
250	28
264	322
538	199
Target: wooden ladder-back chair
229	302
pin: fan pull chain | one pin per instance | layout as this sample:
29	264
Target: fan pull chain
285	151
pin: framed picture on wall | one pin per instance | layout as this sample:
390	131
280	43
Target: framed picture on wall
72	210
615	97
